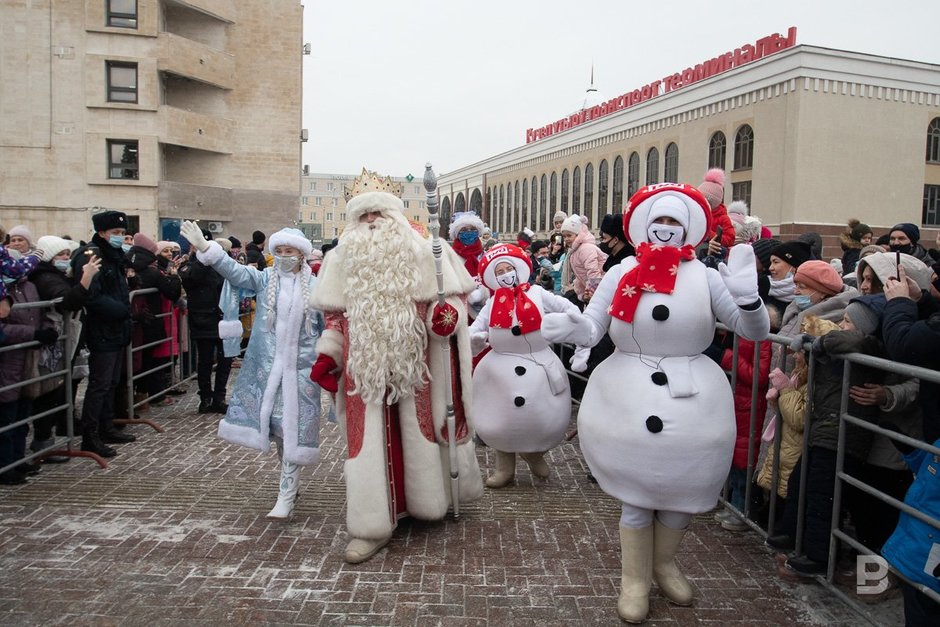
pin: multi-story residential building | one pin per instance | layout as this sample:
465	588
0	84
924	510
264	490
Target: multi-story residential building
163	109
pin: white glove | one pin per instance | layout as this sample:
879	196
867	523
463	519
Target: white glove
191	231
579	361
570	327
740	275
477	296
478	342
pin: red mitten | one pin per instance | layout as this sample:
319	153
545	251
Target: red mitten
323	375
444	319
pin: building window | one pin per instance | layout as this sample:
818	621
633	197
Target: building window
421	203
122	81
741	191
342	217
618	185
564	190
305	200
122	13
330	187
552	195
716	150
503	218
476	202
329	216
460	203
534	206
931	215
516	211
313	186
538	221
576	190
122	159
744	148
405	202
652	166
416	218
318	201
333	202
588	190
933	141
671	168
525	199
417	189
602	177
633	174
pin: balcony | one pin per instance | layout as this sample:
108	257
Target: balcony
194	130
220	9
191	59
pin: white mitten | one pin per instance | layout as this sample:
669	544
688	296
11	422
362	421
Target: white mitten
477	296
570	327
579	361
478	342
740	275
191	231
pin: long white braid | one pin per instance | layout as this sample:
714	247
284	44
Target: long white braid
270	298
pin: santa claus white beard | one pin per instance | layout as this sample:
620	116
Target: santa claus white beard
387	339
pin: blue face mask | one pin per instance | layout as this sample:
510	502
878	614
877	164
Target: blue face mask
7	280
62	265
126	248
468	238
802	301
116	241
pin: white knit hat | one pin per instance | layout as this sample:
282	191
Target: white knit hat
572	224
289	237
51	245
23	231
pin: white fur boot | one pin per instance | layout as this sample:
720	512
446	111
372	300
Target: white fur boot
636	556
666	572
505	470
537	464
287	495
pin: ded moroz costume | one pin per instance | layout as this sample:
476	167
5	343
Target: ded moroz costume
382	353
521	398
273	397
656	422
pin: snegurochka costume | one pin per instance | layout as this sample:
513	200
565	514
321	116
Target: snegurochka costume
656	422
521	397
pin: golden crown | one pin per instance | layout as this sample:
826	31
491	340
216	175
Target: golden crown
372	182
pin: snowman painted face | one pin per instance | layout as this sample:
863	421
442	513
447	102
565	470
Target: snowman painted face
505	274
666	231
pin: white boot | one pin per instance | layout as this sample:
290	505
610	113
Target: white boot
537	464
666	572
636	556
287	495
505	470
359	549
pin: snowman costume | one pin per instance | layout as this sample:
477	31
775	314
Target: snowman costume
521	398
656	423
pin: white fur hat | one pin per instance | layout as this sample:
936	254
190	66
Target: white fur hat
572	224
372	201
51	245
289	237
465	218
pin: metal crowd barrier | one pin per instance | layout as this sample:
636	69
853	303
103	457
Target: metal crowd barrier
754	453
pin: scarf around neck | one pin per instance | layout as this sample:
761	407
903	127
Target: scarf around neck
656	272
507	300
470	255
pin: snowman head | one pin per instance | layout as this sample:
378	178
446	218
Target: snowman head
669	214
495	259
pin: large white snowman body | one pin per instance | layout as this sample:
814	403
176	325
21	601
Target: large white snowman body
521	397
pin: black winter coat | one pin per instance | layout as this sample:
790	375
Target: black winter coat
203	290
148	275
911	333
52	284
108	320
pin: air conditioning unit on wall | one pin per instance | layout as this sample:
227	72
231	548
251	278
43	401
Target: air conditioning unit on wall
214	227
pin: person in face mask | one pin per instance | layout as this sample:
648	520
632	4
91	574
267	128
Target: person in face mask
613	241
273	398
521	397
905	238
53	279
464	231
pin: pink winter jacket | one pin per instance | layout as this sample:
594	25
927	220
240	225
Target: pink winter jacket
587	262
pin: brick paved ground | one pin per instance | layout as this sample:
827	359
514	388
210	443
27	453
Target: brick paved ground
173	533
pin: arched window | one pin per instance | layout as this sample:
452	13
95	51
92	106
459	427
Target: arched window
488	207
602	177
516	210
716	150
589	192
525	200
933	141
744	148
576	190
503	218
671	169
618	185
633	174
564	190
460	203
534	208
476	202
552	197
539	221
652	166
445	211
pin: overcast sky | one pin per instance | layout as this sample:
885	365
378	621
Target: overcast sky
393	84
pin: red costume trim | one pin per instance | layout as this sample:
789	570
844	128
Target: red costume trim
656	272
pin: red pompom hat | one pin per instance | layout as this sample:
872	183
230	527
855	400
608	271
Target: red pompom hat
683	202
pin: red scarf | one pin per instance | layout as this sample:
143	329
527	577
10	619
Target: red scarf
527	314
470	254
656	272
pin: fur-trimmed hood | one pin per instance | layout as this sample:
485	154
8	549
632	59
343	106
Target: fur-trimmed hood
847	243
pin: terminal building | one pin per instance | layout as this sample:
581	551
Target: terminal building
163	109
809	137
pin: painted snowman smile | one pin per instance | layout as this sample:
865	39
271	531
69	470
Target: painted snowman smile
662	239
